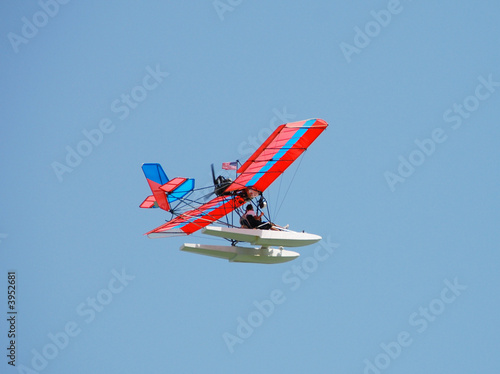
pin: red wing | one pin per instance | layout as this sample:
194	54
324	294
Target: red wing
195	219
276	154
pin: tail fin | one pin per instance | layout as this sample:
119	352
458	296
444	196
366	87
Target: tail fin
156	178
164	191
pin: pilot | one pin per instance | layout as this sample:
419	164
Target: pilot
253	221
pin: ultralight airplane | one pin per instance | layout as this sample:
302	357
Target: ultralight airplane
191	213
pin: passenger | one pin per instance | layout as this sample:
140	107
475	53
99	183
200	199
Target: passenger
253	221
244	222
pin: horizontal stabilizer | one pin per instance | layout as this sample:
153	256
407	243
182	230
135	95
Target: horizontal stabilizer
150	202
177	188
172	184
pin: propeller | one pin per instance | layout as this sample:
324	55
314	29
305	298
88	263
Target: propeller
213	174
220	183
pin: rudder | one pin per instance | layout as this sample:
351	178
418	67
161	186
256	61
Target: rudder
156	178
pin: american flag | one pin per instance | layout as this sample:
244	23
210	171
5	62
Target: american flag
230	165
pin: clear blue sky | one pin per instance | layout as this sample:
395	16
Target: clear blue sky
403	186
